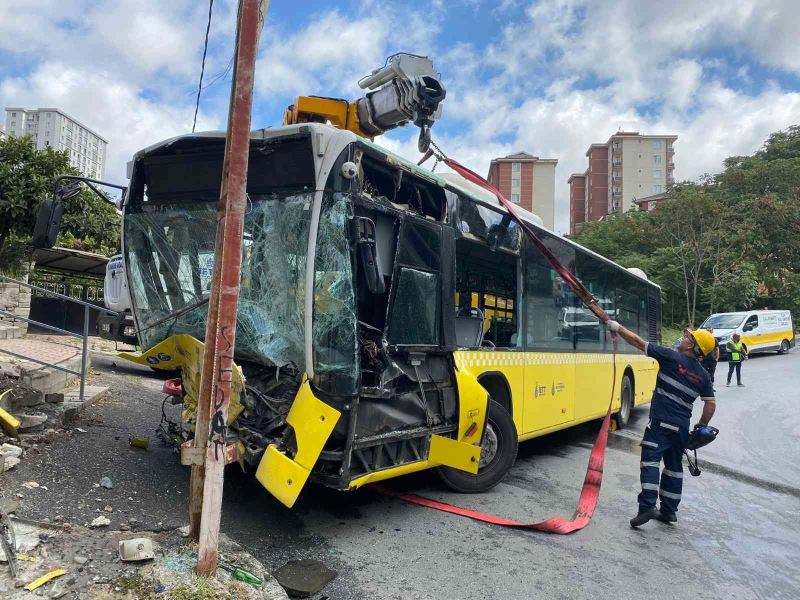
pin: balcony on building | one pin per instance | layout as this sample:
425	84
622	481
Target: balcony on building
616	148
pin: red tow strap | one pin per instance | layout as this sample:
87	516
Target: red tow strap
590	493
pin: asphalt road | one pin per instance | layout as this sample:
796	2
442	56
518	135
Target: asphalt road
732	540
760	423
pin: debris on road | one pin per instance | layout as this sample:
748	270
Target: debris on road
93	566
138	443
305	577
106	483
8	423
135	550
101	521
10	457
37	583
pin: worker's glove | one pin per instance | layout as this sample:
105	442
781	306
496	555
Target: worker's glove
612	326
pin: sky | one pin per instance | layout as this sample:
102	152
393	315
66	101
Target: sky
547	77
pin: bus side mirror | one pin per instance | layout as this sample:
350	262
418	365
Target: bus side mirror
48	222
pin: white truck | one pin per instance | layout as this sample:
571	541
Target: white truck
116	297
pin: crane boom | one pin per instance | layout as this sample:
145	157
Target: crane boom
406	89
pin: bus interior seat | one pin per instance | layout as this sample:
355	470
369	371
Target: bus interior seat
469	331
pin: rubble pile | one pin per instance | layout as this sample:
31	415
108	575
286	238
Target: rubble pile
104	564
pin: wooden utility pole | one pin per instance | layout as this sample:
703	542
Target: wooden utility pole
205	488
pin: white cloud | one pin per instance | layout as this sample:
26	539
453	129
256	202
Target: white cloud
559	75
107	105
334	50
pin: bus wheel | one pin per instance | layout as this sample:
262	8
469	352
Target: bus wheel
626	404
784	347
498	453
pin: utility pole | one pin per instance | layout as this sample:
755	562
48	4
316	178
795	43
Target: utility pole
205	487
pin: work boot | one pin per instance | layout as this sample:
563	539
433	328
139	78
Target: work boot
667	517
644	517
740	384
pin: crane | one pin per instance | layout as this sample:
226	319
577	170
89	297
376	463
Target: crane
406	89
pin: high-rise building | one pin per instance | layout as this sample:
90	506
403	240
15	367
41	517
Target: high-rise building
628	166
529	181
50	127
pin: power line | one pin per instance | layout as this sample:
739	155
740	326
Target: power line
202	65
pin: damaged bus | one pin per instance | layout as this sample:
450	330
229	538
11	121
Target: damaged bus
390	319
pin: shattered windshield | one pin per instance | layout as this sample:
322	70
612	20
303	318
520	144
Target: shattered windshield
170	251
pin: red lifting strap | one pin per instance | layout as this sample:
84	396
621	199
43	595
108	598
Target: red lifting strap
590	493
587	502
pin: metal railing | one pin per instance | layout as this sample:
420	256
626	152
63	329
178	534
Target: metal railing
84	338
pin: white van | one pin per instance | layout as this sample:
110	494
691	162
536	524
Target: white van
760	330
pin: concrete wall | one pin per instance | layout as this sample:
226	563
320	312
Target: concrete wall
15	299
544	192
577	201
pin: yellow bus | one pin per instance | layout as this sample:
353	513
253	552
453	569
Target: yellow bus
390	319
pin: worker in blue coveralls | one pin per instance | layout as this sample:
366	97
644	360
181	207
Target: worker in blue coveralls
681	380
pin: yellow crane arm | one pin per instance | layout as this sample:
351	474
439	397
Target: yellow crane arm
317	109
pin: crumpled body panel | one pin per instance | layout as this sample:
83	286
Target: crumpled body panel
185	352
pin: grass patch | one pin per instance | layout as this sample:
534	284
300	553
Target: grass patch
137	585
203	588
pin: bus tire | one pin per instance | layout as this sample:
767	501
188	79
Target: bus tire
626	403
784	347
498	449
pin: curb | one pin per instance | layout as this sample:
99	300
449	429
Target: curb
627	441
73	407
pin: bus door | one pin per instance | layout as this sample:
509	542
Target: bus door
552	321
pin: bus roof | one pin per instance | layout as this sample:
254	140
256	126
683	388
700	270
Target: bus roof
451	181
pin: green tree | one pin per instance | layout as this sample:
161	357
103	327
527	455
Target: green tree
26	179
729	242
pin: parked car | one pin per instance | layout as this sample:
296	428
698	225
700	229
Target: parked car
578	322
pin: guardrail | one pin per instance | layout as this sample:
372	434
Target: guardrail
87	306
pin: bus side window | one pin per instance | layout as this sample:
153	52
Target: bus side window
486	287
553	318
595	276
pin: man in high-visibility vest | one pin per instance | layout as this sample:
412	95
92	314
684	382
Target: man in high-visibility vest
681	380
736	354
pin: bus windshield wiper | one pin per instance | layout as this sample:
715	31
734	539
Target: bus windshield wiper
177	313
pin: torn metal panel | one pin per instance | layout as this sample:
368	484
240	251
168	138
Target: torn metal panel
186	353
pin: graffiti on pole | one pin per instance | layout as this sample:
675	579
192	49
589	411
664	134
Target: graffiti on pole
218	429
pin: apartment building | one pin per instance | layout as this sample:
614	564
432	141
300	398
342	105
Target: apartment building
529	181
628	166
50	127
640	165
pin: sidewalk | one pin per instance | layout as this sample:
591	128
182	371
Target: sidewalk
41	377
44	396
